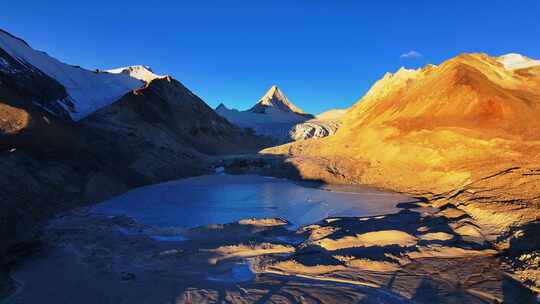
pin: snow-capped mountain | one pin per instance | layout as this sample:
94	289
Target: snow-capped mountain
275	99
140	72
515	61
273	115
87	91
138	128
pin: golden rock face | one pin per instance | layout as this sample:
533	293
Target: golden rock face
473	92
13	120
435	128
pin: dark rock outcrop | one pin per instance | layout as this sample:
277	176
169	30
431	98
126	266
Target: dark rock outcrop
50	163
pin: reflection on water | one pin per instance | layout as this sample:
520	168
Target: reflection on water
214	199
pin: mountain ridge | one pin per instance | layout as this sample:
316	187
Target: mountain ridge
469	107
87	91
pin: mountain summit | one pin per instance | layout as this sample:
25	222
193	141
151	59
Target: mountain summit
273	115
83	91
140	72
275	98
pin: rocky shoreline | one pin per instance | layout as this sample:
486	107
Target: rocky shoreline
413	255
453	234
503	202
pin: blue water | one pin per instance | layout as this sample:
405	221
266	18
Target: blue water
219	199
240	272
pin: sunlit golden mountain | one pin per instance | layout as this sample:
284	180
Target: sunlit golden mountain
433	128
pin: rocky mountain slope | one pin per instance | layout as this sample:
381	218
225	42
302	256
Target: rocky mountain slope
464	133
86	91
470	107
273	115
70	136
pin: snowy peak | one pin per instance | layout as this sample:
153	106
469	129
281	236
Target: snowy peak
275	99
88	91
140	72
273	92
273	116
514	61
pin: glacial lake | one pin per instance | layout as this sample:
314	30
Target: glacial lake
220	199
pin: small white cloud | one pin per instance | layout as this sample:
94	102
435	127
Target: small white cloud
412	54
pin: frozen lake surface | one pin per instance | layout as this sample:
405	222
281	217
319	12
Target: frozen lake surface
219	199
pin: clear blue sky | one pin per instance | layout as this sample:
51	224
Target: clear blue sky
322	54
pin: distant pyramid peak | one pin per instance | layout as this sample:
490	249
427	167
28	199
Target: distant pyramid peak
275	98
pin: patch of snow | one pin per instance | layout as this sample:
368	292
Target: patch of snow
3	63
140	72
515	61
89	91
314	129
220	170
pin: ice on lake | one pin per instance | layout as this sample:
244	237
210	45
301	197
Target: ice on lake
219	199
